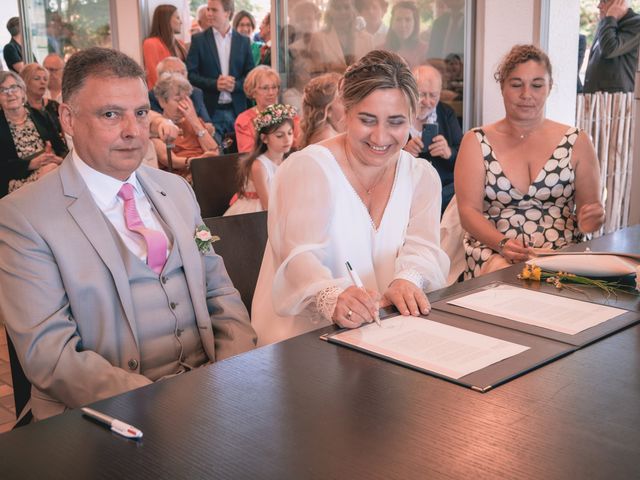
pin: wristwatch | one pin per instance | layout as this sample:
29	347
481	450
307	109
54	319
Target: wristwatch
502	243
201	133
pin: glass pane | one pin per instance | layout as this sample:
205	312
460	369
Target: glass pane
322	36
65	26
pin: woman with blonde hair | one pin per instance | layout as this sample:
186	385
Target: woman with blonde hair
263	86
161	42
322	110
36	79
357	197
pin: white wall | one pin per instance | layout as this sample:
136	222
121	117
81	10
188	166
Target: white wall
504	23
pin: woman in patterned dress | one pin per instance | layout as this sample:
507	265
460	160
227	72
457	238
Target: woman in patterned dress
524	182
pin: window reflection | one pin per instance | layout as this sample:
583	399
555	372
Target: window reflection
327	36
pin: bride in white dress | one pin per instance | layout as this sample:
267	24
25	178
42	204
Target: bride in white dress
356	197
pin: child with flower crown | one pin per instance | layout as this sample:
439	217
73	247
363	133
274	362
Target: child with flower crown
274	132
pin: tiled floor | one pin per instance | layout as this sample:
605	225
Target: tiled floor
7	408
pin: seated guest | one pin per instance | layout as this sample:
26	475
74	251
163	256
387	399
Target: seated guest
340	43
36	79
274	129
403	36
245	24
162	42
322	110
30	145
356	197
97	305
216	71
442	152
175	65
262	85
525	181
172	92
55	66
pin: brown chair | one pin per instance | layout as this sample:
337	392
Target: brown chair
241	246
21	385
214	182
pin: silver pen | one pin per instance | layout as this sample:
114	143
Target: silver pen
116	425
355	278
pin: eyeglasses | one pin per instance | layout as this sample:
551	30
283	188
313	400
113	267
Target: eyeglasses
10	89
269	88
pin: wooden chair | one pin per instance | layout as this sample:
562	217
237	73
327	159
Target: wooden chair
214	182
21	385
241	245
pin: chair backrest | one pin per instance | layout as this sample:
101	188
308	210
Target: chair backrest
214	182
241	246
21	385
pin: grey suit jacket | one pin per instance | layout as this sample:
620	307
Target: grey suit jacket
65	295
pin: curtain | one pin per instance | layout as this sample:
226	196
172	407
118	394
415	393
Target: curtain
608	119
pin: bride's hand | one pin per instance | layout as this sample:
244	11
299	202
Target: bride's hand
356	306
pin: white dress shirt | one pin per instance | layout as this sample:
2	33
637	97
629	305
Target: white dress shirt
104	190
223	44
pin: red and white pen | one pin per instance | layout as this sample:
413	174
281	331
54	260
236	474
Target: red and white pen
116	426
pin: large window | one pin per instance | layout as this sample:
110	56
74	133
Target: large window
321	36
65	26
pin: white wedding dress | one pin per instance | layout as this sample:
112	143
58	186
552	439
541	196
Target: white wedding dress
317	222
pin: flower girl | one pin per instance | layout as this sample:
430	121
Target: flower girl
274	130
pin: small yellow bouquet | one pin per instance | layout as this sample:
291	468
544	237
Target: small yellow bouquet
570	281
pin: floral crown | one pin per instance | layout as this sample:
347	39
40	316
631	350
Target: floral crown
273	115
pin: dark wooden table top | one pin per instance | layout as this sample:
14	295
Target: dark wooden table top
306	409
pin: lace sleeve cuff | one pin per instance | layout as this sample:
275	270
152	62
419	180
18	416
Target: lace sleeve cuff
412	276
326	300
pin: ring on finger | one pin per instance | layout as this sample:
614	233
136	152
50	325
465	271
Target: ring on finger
349	313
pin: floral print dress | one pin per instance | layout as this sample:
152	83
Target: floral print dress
544	214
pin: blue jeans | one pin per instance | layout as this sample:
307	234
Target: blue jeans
224	121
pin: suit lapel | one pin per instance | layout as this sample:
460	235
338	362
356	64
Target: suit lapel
234	56
183	234
211	43
91	221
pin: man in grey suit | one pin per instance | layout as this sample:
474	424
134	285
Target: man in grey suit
613	59
90	312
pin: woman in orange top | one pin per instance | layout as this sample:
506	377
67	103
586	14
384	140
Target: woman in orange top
161	43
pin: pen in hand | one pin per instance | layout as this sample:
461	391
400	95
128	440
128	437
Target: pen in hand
355	278
116	426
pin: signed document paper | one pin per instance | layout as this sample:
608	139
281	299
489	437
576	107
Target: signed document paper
429	345
564	315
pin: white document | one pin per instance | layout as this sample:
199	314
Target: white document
564	315
433	346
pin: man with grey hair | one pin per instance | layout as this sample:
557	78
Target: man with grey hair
613	59
55	66
443	150
108	278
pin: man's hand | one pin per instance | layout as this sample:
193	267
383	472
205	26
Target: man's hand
617	9
226	83
414	146
440	148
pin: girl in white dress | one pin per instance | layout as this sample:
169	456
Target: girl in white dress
356	197
274	127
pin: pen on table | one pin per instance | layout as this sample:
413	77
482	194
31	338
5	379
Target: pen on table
355	278
116	426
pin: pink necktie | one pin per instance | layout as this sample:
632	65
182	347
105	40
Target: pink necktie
155	240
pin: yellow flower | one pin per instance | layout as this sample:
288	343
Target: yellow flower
536	273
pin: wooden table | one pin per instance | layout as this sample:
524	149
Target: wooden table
306	409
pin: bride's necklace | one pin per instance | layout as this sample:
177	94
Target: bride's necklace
371	188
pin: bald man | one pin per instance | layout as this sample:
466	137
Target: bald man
442	152
54	65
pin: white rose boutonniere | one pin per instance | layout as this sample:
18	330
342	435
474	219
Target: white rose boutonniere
204	239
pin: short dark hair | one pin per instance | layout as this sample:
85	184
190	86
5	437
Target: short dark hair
97	62
228	6
521	54
13	25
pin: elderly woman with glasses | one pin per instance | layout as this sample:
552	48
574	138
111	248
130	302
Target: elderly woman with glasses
29	143
262	85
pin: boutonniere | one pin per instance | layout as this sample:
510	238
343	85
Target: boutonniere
204	239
